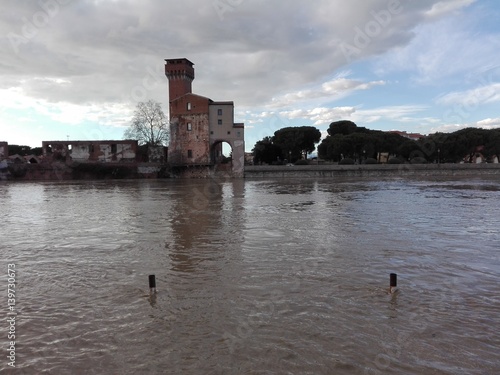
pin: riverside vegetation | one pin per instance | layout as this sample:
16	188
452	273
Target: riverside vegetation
348	143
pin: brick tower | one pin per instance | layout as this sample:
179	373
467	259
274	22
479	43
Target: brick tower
180	74
199	125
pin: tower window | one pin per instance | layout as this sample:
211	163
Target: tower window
189	127
228	132
188	106
190	154
219	112
219	122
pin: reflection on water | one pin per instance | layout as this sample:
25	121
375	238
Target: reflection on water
255	276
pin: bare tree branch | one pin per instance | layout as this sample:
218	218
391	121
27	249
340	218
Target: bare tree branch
149	125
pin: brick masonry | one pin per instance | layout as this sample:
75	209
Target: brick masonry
199	126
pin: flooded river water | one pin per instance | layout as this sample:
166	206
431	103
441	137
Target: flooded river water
253	276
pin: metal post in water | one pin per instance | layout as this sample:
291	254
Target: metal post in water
152	284
393	282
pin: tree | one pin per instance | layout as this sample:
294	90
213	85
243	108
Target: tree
149	125
296	142
19	149
265	151
409	149
334	147
344	127
492	147
346	140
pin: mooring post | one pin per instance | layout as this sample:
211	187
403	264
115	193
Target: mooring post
393	283
152	284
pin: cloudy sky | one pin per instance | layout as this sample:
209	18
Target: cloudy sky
75	69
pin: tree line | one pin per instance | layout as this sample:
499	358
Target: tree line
287	145
346	140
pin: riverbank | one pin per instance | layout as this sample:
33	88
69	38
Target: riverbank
57	171
370	170
90	171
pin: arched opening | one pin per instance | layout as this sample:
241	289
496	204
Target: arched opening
221	153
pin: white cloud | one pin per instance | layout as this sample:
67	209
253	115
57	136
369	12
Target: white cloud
488	123
335	89
472	98
446	7
391	114
444	48
402	113
320	116
93	60
257	49
109	114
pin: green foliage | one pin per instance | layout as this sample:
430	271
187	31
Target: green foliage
265	151
24	150
333	147
296	142
18	149
290	143
38	151
302	162
462	144
343	127
408	148
371	161
346	161
492	145
394	161
418	160
345	139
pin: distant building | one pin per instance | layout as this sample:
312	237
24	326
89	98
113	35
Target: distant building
249	158
198	125
382	157
413	136
91	151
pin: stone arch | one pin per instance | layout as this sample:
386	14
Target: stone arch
217	153
236	164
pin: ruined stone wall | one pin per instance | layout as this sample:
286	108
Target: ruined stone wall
91	151
4	150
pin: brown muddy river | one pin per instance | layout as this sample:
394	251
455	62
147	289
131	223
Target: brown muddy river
253	276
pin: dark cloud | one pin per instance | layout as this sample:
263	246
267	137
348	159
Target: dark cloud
250	51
